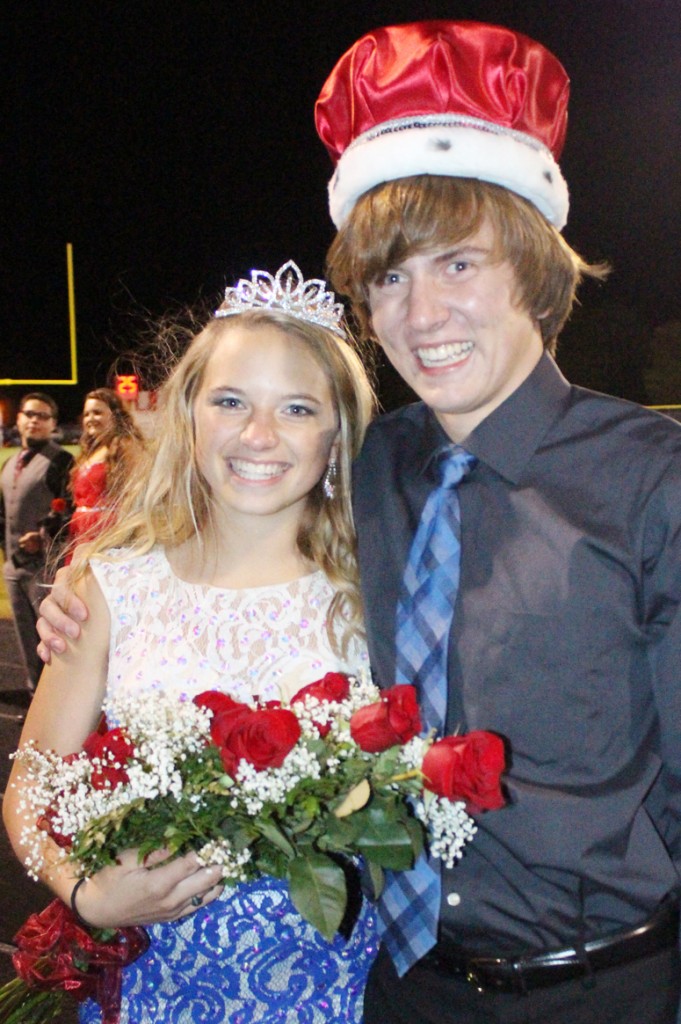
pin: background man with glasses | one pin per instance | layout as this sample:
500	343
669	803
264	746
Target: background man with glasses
29	481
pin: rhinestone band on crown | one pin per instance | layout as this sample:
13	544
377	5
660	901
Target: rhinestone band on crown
289	292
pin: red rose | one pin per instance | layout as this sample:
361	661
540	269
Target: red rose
111	750
263	738
218	702
46	824
58	505
394	719
467	768
227	713
333	687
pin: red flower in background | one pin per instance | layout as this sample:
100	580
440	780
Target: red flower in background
467	768
392	720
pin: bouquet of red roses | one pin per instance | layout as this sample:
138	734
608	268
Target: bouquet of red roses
292	791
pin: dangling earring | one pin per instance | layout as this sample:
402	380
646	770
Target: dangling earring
329	482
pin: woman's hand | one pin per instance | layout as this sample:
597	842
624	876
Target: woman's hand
134	893
61	613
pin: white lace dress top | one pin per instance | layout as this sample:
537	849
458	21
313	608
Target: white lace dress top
184	638
249	956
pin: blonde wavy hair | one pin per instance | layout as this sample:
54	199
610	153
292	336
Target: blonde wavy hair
169	501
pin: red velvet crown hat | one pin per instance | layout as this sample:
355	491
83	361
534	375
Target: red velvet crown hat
461	99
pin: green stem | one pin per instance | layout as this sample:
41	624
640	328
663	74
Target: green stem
414	773
20	1004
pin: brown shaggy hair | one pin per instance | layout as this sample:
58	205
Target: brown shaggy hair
397	219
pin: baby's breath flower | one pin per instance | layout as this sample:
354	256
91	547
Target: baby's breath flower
449	827
256	788
412	753
230	860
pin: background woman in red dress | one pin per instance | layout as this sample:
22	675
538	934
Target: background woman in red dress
109	444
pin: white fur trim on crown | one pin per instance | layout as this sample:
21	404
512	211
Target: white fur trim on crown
505	158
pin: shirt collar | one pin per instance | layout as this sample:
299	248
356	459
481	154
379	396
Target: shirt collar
507	439
37	445
429	444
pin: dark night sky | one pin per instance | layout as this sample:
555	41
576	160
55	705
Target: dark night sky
174	146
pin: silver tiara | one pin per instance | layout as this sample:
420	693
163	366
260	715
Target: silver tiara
289	292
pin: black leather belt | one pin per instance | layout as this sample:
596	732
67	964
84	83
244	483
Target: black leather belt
542	970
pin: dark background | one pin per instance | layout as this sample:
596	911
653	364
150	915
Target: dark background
174	146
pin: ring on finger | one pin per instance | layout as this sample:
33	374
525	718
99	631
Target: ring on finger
196	901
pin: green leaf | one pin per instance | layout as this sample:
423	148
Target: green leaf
271	861
238	835
309	806
386	809
388	846
318	891
386	762
384	836
377	878
340	834
415	829
270	831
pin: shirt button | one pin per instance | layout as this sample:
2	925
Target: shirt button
453	899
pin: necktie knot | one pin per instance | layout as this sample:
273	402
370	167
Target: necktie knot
454	463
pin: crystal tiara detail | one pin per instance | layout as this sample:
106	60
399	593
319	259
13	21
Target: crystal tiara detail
288	291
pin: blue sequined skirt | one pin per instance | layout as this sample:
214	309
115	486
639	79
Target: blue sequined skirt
248	956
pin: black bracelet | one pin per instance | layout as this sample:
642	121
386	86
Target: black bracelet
81	921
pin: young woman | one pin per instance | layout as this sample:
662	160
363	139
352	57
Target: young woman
109	444
232	567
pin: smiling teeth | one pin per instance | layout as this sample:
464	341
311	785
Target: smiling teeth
255	470
444	355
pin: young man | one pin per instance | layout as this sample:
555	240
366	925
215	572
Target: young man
564	635
29	481
566	632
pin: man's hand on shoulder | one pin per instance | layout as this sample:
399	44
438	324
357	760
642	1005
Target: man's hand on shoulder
61	613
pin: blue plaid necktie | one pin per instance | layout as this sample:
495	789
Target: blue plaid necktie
410	904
